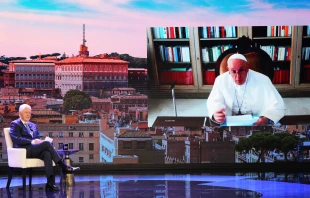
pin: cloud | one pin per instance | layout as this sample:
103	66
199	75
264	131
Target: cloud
110	27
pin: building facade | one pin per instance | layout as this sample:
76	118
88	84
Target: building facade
91	74
38	73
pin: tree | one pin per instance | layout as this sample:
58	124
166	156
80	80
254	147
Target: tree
261	142
76	100
286	143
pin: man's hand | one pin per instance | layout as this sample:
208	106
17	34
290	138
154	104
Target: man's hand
219	116
36	141
262	121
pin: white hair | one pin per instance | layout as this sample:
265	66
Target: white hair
24	106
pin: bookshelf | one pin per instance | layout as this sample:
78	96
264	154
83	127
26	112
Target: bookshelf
279	44
303	57
173	59
211	42
288	47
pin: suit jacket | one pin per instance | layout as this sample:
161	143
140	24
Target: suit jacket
20	135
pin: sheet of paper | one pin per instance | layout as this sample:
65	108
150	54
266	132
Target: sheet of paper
240	120
48	139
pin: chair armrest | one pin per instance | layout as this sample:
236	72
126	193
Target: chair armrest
17	157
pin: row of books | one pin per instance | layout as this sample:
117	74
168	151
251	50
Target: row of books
177	77
186	77
219	32
279	31
281	76
306	73
208	77
308	30
278	53
212	54
305	53
170	32
174	53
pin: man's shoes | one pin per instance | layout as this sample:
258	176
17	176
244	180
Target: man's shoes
70	170
51	187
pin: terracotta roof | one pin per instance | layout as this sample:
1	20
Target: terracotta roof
98	100
110	133
140	96
134	134
3	64
123	89
7	71
34	61
89	60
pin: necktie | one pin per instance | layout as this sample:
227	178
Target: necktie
26	125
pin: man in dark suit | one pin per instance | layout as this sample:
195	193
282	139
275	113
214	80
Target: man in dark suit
25	134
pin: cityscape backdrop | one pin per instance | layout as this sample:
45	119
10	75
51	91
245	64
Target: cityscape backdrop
113	129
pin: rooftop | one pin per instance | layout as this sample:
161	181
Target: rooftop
90	60
134	134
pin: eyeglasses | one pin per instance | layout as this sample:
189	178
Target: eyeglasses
235	72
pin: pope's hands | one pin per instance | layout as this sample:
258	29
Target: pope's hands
261	121
36	141
219	116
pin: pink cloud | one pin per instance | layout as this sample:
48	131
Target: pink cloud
110	28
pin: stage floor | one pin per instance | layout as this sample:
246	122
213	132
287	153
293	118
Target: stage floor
169	185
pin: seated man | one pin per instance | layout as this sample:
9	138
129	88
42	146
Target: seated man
241	91
25	134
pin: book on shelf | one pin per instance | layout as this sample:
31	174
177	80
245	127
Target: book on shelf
212	54
281	76
279	31
177	77
278	53
306	72
170	32
174	53
305	53
218	32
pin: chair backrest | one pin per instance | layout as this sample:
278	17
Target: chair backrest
8	139
257	58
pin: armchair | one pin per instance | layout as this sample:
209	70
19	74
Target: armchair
17	159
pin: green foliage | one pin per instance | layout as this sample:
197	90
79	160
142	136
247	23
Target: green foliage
263	142
76	100
160	142
6	60
134	62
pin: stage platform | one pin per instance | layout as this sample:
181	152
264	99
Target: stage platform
231	185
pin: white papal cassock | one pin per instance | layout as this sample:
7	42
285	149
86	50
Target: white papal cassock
257	96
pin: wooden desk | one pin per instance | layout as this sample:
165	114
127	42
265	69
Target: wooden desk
199	121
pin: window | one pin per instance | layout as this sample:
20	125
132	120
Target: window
81	160
50	134
60	145
141	144
81	134
0	146
127	145
0	134
70	134
91	146
81	146
61	134
91	156
91	134
70	145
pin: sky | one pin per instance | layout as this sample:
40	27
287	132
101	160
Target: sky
31	27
